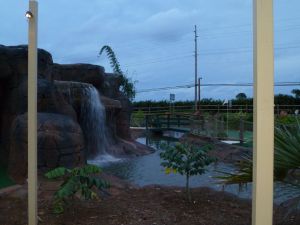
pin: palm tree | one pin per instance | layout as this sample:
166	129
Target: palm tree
127	86
286	157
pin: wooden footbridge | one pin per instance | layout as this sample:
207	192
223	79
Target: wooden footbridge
190	123
168	122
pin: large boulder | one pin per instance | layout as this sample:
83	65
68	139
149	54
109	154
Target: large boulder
14	103
14	63
111	85
60	143
49	99
85	73
123	118
13	72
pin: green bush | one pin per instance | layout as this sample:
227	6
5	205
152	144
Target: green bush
286	120
186	160
79	181
138	119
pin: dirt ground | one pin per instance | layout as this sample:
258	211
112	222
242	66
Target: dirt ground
128	205
137	133
222	152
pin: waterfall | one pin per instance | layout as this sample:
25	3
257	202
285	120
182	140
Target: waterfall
86	100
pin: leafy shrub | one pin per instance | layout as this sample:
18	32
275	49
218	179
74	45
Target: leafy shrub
138	119
186	160
222	135
79	181
286	120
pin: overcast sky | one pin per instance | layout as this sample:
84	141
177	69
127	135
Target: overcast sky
154	39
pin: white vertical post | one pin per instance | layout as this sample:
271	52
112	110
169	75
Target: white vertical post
262	200
196	65
32	113
199	93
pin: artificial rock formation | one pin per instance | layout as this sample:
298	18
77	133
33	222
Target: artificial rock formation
61	139
60	143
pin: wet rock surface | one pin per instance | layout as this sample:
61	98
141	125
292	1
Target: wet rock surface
54	108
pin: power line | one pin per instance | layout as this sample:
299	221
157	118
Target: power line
196	64
278	84
206	35
217	28
213	52
162	60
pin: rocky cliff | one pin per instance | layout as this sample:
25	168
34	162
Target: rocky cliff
61	137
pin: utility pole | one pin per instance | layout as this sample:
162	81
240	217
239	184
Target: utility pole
196	65
199	92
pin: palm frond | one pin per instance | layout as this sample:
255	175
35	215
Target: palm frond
127	85
286	157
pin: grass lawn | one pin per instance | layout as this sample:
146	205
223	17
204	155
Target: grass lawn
248	135
5	181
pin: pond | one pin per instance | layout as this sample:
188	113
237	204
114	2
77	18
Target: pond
146	170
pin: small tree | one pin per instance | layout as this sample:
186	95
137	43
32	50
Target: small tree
79	181
187	160
296	92
241	96
138	118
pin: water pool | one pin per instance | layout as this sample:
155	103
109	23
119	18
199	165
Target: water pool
146	170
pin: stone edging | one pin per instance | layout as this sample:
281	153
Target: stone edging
9	189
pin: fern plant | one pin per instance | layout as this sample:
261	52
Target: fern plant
80	180
127	85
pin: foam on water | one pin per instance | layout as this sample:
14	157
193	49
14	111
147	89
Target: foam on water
102	160
230	142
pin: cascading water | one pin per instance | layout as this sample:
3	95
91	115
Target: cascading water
92	117
93	121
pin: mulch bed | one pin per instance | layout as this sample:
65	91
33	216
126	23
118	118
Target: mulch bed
152	205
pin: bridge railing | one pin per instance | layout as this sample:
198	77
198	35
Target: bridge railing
210	108
218	128
166	121
235	127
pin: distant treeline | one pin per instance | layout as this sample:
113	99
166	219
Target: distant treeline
280	99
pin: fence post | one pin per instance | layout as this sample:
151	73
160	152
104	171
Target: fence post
263	143
242	128
215	127
147	122
32	114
